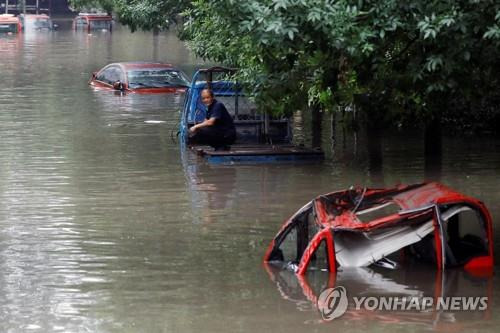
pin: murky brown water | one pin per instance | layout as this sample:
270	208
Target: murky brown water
106	226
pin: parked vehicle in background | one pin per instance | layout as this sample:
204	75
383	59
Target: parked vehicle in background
89	22
10	24
140	77
36	22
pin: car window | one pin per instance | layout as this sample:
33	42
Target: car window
100	24
241	108
197	110
156	78
110	75
42	23
37	22
296	237
81	22
8	27
377	211
465	234
319	260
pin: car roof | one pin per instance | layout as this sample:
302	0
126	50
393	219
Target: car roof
35	15
427	194
92	16
413	196
142	65
8	18
216	86
339	209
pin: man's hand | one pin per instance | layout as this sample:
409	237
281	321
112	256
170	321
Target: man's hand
205	123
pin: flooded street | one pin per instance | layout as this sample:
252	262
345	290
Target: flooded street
106	225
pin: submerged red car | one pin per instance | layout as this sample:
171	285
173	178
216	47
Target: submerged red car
140	77
92	21
10	24
359	227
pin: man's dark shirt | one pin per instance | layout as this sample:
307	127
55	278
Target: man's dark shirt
223	120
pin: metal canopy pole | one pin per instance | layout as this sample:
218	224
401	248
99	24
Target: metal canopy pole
209	80
236	104
6	6
266	127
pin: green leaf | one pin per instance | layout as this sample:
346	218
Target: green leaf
467	55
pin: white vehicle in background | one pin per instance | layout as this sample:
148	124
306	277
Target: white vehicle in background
38	22
10	24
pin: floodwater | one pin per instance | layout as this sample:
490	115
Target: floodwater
107	226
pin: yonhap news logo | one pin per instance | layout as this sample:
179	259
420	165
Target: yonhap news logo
333	302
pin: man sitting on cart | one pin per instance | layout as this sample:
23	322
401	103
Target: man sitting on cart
218	129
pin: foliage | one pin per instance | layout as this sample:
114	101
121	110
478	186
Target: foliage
403	58
87	5
405	55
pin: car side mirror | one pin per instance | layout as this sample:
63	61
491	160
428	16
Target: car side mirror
118	85
94	76
55	26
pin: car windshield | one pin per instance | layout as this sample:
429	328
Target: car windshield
156	78
42	23
100	24
8	27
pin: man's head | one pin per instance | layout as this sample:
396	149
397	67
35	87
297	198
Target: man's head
207	97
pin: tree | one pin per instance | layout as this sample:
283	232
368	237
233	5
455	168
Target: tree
405	55
85	5
139	14
405	58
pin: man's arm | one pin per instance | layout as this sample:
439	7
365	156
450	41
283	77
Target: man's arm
205	123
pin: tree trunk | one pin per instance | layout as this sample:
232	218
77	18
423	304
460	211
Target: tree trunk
375	155
433	150
316	129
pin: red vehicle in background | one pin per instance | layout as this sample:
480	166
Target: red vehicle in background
140	77
89	22
10	24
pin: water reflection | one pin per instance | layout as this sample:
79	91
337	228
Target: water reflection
211	186
403	283
118	101
10	46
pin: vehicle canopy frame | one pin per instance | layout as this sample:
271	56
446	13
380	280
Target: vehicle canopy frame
252	127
